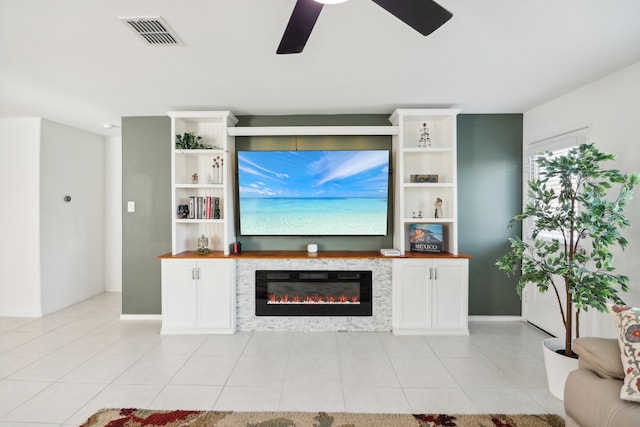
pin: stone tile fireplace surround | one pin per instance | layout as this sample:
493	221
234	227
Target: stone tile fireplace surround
246	320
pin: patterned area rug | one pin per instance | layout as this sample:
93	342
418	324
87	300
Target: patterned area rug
145	417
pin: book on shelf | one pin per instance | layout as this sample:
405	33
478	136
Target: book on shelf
204	207
198	207
425	238
192	207
216	208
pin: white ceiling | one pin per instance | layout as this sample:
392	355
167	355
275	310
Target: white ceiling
75	62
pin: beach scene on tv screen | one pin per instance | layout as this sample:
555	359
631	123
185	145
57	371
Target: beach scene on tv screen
313	193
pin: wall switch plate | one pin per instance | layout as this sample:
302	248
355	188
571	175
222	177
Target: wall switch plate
131	206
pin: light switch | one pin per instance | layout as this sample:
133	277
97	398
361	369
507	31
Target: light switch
131	206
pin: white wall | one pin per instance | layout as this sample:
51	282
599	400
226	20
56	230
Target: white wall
113	215
611	108
52	252
19	217
71	233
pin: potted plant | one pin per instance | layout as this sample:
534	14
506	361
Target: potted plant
189	141
575	215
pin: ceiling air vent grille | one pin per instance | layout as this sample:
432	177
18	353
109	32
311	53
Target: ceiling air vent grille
153	30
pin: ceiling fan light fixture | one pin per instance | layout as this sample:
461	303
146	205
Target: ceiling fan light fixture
330	1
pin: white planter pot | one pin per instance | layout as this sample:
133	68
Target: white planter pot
557	365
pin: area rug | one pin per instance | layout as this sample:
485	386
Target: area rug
146	417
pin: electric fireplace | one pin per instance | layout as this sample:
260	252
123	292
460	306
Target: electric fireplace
313	293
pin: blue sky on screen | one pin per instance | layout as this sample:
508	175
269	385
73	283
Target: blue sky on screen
358	173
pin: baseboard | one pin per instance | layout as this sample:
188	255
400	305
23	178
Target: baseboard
141	317
25	314
496	319
471	318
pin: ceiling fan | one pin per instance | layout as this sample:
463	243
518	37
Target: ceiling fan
424	16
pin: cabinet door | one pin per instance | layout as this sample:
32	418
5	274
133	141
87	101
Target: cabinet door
216	301
178	294
450	294
412	295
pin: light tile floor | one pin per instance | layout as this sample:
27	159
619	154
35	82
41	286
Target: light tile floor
57	370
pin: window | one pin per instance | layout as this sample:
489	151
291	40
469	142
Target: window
558	146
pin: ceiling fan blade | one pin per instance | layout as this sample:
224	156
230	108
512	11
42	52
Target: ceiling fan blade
424	16
303	18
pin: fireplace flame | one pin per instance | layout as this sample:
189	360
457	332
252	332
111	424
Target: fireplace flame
312	299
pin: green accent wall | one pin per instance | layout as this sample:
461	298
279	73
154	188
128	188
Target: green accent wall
146	233
489	195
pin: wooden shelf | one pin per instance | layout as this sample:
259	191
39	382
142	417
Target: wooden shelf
425	220
198	152
428	150
196	186
306	255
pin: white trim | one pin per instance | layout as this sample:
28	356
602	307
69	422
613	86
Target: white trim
140	317
417	112
24	314
560	141
432	332
496	319
312	130
559	131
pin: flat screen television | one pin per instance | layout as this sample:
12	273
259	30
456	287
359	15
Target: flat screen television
313	193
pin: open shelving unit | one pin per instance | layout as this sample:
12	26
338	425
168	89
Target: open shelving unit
415	202
215	183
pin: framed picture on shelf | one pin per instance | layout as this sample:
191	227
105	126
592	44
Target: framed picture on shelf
425	238
431	179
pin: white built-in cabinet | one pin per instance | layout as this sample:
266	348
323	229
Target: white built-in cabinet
198	296
198	292
430	293
430	296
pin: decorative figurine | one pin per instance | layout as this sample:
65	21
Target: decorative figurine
438	210
183	211
203	243
194	178
425	139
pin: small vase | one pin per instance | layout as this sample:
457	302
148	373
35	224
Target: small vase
217	176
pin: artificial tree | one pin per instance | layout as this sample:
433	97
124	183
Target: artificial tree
575	213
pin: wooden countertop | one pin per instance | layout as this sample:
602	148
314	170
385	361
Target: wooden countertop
306	255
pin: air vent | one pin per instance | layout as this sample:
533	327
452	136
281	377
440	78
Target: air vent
153	30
